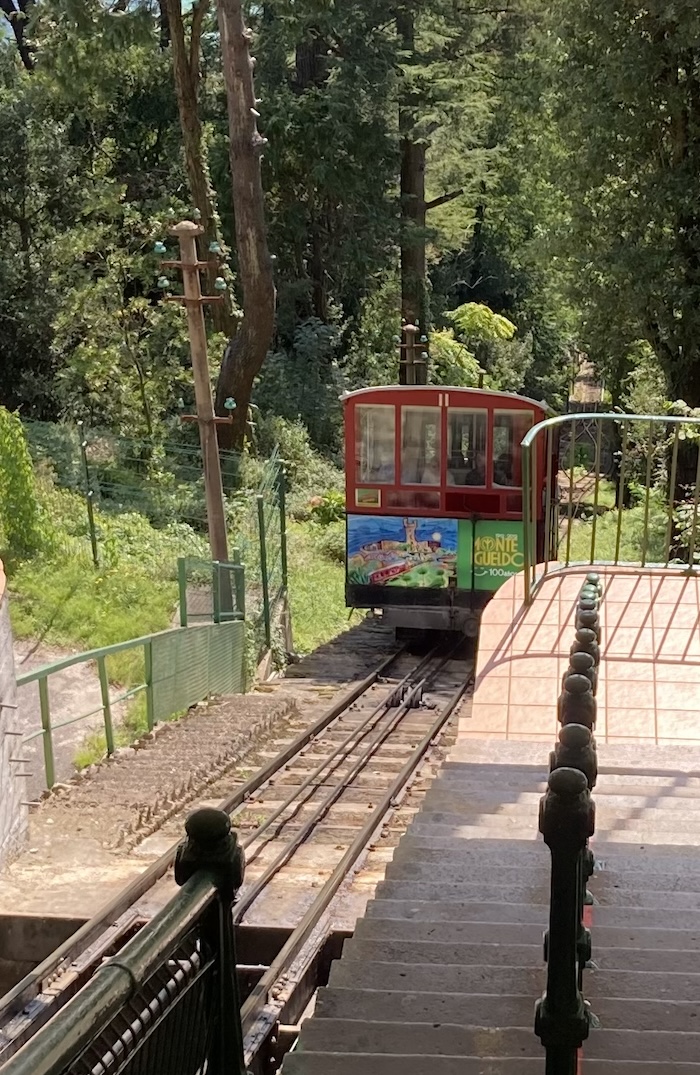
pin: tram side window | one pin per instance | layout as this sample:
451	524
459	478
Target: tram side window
509	428
375	444
466	448
420	445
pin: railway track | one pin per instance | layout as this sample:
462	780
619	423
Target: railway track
308	819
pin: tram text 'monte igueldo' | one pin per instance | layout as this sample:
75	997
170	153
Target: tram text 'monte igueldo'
434	501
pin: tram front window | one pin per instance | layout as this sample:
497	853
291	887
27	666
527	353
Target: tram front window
466	447
375	444
509	428
420	445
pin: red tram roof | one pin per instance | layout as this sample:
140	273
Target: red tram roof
484	393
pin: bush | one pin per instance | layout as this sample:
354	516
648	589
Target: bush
20	518
328	508
330	542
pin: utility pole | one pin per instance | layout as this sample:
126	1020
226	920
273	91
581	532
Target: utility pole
413	363
193	301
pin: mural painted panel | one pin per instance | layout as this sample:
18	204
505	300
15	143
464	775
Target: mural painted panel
389	550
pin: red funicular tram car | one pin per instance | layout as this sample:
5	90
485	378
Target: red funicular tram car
434	500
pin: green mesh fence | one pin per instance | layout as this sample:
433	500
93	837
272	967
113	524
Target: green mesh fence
190	665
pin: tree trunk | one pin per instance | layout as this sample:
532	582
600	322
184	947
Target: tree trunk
413	260
17	18
186	72
246	352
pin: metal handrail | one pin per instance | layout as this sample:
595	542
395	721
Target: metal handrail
42	675
113	1012
60	1041
530	487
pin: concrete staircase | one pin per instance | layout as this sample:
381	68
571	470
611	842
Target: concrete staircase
442	974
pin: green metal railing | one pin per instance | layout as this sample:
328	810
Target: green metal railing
180	668
169	1001
211	591
609	460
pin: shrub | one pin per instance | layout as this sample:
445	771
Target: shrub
20	520
328	508
331	542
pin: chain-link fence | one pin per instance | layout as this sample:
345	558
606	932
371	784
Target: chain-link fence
163	482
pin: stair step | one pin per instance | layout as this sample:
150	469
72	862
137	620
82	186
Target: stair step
521	954
441	952
461	911
610	781
634	759
487	848
509	800
298	1063
345	1002
536	894
455	870
428	826
516	818
335	1002
429	1039
605	937
453	978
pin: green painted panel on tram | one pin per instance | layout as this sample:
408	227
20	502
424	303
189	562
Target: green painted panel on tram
498	553
465	553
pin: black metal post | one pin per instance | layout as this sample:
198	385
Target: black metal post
212	846
576	702
567	820
576	749
581	664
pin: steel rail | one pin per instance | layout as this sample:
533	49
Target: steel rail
248	898
351	742
12	1003
259	996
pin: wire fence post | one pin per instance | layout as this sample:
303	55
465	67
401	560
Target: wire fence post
182	588
216	591
263	570
106	706
89	495
47	740
148	676
239	581
282	492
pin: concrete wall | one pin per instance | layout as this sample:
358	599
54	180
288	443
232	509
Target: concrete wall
26	940
13	792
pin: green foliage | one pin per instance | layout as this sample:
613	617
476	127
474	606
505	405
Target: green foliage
452	363
20	523
316	589
627	82
328	508
307	470
476	322
302	382
331	541
632	530
122	354
61	598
